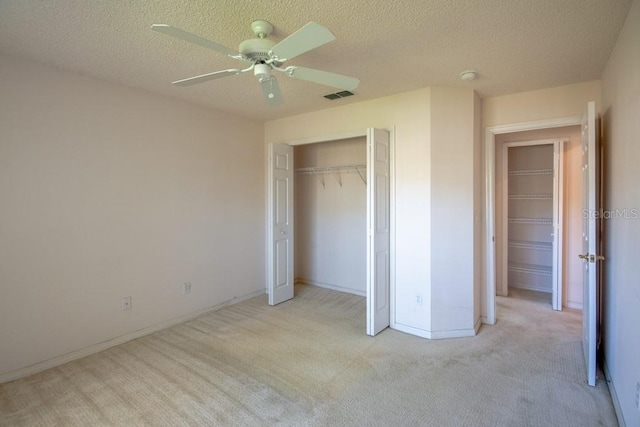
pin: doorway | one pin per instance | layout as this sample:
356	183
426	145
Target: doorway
494	137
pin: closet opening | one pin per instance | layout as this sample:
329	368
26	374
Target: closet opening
322	237
330	215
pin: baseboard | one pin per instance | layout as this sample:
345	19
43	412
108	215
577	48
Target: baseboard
485	320
437	335
411	330
330	286
614	395
95	348
476	327
574	305
530	288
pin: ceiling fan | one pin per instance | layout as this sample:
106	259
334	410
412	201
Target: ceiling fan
264	56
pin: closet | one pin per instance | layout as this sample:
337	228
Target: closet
530	217
330	215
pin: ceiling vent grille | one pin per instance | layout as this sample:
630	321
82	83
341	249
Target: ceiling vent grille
338	95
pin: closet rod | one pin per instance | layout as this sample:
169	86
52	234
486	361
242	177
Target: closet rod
330	169
334	170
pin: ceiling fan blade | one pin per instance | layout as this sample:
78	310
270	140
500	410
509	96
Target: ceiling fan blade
192	38
305	39
323	77
205	77
271	91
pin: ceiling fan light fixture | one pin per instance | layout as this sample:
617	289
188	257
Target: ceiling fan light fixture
262	71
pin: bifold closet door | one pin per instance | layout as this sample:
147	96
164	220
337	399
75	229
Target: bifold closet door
280	220
378	230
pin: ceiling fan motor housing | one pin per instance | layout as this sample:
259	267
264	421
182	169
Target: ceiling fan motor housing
256	49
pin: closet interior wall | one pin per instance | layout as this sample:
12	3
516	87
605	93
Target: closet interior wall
330	215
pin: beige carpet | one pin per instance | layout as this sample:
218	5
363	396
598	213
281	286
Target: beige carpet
309	362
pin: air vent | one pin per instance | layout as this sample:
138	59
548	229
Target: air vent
339	95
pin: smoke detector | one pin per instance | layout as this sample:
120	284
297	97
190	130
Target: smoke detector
468	75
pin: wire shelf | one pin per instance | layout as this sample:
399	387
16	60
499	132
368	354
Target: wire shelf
540	270
530	196
537	221
531	172
336	171
530	244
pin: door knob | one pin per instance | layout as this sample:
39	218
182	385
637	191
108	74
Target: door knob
591	258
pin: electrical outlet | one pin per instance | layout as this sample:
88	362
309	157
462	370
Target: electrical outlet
638	395
419	299
186	288
126	303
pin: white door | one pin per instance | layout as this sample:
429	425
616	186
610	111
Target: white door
280	229
590	234
378	230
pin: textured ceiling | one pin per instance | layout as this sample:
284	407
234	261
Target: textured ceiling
391	46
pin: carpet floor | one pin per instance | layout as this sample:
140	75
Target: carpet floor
308	362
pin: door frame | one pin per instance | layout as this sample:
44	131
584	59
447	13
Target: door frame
392	202
489	283
558	208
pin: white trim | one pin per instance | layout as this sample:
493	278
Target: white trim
558	213
477	325
614	394
411	330
489	315
574	305
330	286
392	227
95	348
439	335
327	138
532	288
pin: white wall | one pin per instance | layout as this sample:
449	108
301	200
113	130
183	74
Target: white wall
107	192
331	217
454	165
621	123
544	104
572	218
